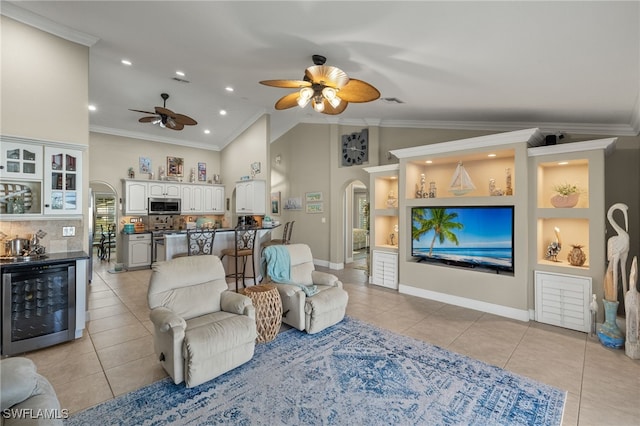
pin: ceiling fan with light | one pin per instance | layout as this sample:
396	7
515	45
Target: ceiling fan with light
328	88
166	118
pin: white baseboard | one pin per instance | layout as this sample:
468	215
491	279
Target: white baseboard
503	311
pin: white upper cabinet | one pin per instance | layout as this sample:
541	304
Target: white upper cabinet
135	197
21	161
251	197
164	190
62	181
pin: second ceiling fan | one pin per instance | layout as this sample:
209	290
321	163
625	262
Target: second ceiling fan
328	88
166	118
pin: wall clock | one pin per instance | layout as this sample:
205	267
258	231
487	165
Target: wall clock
355	148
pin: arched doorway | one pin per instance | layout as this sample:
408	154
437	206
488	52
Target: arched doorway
356	223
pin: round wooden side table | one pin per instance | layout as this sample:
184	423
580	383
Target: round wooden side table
268	306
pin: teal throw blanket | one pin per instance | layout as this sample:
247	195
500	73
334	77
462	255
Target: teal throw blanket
276	263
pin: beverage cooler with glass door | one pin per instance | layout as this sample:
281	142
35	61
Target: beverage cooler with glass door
38	305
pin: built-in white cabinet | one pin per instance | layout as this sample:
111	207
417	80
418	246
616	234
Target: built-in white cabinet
384	268
62	181
213	201
135	197
164	190
192	199
137	251
563	300
20	161
251	197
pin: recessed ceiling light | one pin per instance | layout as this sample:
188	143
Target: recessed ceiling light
126	62
229	89
428	161
563	163
491	155
92	108
207	131
223	112
180	73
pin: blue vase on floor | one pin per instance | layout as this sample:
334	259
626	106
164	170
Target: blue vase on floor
609	334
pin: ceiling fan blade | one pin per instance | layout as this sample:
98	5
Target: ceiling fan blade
184	120
330	110
288	101
165	111
173	125
286	84
148	119
358	91
327	76
144	112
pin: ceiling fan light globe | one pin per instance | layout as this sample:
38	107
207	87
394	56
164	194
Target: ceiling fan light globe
334	101
329	93
318	105
305	96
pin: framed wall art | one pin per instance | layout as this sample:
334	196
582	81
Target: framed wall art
315	207
175	166
145	165
275	203
202	172
312	197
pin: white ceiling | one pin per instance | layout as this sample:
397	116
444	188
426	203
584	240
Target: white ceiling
560	66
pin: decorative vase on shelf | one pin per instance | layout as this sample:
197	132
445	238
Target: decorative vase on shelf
565	201
609	334
576	256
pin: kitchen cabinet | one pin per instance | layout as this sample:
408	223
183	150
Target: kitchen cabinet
135	197
213	199
20	161
137	251
251	197
62	181
192	198
164	190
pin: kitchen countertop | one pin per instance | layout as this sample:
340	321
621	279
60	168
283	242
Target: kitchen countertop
49	258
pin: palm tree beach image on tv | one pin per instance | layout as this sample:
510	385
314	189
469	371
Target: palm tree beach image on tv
479	237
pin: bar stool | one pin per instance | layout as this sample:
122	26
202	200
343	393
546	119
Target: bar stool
200	241
245	238
275	241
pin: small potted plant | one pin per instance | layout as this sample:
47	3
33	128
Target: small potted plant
567	195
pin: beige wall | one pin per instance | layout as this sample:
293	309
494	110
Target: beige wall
111	156
44	92
236	159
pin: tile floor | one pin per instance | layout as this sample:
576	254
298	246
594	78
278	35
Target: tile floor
115	356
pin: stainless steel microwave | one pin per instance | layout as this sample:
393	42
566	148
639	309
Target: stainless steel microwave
164	205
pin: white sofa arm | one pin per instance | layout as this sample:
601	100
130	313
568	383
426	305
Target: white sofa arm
237	304
166	320
325	278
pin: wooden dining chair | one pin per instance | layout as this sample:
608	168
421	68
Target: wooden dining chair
245	238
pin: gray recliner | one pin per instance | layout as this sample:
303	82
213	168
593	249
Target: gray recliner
311	313
26	397
202	329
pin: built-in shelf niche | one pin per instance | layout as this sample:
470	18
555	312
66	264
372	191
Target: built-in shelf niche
385	226
572	232
386	190
573	172
481	167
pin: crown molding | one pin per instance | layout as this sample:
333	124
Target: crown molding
605	144
40	22
153	138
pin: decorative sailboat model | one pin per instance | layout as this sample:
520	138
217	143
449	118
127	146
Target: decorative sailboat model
461	182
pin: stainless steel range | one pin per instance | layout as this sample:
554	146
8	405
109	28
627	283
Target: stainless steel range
160	225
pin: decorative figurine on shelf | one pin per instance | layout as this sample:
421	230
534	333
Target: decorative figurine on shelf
420	193
161	174
461	182
632	310
576	256
392	200
608	332
509	190
132	174
192	176
554	247
433	192
493	191
392	238
593	307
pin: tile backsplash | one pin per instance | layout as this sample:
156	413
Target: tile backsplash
54	242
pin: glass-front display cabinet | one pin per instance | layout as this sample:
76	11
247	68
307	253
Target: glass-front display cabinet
63	181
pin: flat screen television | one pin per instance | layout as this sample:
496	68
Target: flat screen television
469	236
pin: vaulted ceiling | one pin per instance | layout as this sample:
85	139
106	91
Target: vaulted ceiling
560	66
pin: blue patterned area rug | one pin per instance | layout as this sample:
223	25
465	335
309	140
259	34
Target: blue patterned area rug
352	373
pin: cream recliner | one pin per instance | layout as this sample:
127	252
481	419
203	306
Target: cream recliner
202	329
310	313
